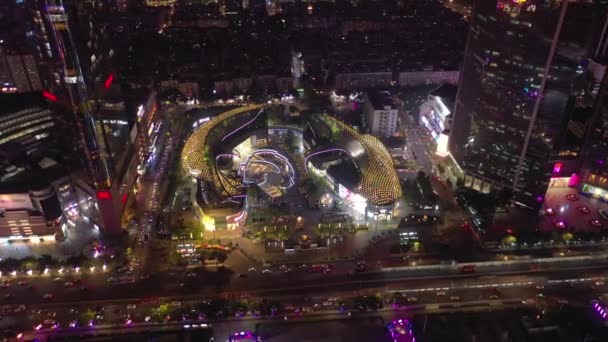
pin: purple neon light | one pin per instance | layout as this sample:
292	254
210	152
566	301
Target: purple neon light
239	336
330	150
230	200
224	155
275	154
246	124
401	330
601	310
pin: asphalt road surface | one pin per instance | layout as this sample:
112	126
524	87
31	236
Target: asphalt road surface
484	293
212	281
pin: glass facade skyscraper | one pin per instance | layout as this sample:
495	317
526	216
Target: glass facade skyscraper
73	40
523	94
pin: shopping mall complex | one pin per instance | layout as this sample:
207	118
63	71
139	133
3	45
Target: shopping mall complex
239	149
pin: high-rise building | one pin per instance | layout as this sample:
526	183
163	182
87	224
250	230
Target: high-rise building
594	174
381	113
76	54
523	99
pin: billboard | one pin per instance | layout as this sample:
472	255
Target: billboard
15	201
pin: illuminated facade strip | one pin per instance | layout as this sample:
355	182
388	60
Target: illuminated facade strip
196	153
243	126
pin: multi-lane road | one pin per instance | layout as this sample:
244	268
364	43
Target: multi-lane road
213	281
434	285
426	293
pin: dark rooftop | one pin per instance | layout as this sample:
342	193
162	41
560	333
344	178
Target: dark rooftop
15	102
345	173
380	99
29	175
447	92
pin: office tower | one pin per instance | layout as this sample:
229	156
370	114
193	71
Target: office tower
81	78
595	171
523	94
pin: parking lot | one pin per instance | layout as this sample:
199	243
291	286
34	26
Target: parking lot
566	208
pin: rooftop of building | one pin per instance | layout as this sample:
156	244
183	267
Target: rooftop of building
447	93
28	174
27	167
197	159
377	179
26	123
12	103
380	99
345	160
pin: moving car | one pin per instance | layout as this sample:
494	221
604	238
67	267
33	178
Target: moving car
560	224
572	197
595	223
584	209
467	269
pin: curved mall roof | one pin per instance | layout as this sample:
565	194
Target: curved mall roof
379	182
196	156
